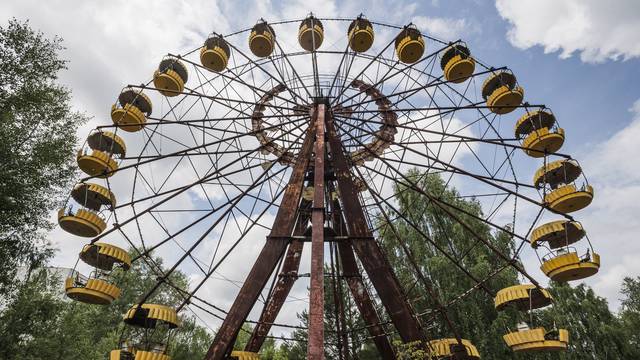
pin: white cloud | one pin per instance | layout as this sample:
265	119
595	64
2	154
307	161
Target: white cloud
598	30
612	219
447	29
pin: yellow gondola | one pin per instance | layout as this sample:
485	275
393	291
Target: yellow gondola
310	33
569	198
81	222
131	111
170	77
133	354
86	221
409	45
457	63
90	291
558	179
567	265
557	234
149	325
445	349
97	160
98	287
537	339
502	93
360	34
540	133
262	39
215	54
244	355
528	297
96	163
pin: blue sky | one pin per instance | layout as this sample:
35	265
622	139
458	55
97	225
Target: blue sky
580	58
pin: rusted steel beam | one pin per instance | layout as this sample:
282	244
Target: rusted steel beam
271	253
358	290
286	279
363	300
315	346
373	260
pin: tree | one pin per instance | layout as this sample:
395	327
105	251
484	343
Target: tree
630	314
37	128
28	320
474	316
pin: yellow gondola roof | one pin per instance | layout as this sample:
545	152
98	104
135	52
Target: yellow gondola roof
173	63
262	26
244	355
309	20
451	51
556	172
442	348
216	41
410	30
149	315
122	354
137	98
533	121
496	80
524	297
360	20
557	233
108	142
103	256
93	196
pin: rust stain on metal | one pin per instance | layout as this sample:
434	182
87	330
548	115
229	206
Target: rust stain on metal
359	292
286	279
315	346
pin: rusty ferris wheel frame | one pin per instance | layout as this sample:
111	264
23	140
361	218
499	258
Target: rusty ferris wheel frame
325	145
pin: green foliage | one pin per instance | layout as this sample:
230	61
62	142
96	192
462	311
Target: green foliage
630	315
409	351
426	229
39	323
595	333
37	128
25	323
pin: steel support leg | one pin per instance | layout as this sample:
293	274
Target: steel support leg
315	346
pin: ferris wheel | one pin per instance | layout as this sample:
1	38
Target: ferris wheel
234	155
